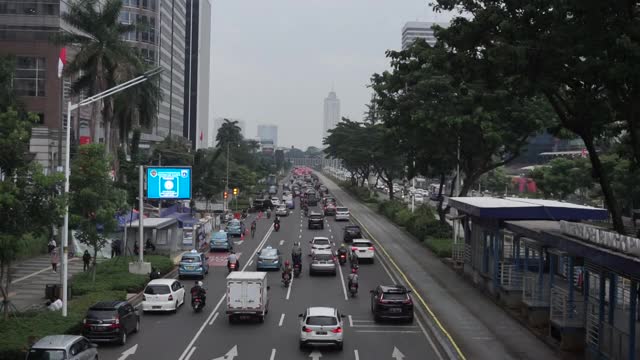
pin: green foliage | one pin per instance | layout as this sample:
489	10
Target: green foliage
440	246
495	181
563	177
229	134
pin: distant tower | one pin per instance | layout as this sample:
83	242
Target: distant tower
331	113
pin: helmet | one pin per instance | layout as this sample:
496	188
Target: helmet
354	270
286	263
199	283
342	245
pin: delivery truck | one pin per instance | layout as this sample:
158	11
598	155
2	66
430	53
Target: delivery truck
247	295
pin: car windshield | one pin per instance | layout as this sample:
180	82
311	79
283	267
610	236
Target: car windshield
394	296
342	209
362	244
321	241
46	354
268	253
316	217
323	257
234	223
157	290
220	236
101	314
190	259
352	229
322	320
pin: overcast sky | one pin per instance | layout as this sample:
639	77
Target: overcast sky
275	61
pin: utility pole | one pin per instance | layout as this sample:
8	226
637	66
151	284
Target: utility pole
413	184
226	185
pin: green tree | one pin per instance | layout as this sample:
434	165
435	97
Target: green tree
563	177
229	134
104	59
495	181
345	142
95	199
30	203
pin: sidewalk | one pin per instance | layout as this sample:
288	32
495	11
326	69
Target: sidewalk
480	328
29	278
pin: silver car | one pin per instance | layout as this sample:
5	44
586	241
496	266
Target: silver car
282	210
63	347
322	261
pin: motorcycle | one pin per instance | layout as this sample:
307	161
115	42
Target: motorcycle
233	267
297	269
276	226
353	289
286	280
342	259
197	304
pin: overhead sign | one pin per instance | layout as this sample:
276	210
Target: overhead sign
168	183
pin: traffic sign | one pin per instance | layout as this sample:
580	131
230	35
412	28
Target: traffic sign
169	183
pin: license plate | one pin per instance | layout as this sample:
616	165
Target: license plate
395	310
321	333
156	307
362	250
191	267
99	328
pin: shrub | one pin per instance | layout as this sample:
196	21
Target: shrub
404	217
440	246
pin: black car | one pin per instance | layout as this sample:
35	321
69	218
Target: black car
351	232
312	198
110	321
391	302
316	220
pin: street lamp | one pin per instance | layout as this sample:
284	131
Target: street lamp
67	170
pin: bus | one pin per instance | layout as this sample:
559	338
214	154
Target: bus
272	180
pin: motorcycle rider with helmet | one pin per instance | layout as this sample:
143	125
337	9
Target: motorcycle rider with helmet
286	269
353	279
197	291
233	259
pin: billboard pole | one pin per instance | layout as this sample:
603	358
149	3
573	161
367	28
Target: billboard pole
141	215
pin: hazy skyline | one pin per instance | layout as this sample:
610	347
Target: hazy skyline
275	61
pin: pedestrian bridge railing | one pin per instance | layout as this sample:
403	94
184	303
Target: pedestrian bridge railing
510	276
564	312
535	292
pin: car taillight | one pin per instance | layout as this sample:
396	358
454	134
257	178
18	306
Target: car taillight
144	297
115	323
354	248
408	302
372	248
306	329
170	297
337	330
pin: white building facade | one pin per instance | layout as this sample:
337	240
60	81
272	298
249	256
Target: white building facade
413	30
331	116
268	132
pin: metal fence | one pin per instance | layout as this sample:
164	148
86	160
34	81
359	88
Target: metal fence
564	312
510	276
535	293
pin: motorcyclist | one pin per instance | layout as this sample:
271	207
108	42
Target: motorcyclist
198	291
232	259
269	213
342	250
353	278
296	253
253	227
354	261
286	269
276	220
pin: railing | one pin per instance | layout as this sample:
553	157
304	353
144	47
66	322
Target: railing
458	252
510	276
614	342
534	293
592	323
467	254
563	312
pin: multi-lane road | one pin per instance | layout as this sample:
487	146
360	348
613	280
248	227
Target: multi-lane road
209	335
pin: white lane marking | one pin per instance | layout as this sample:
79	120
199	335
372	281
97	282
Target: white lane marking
332	236
214	319
250	262
390	331
383	326
281	242
344	288
300	236
300	229
356	355
199	332
329	229
350	321
289	289
273	354
424	331
190	353
281	320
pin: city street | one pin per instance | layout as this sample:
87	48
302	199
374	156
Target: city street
209	335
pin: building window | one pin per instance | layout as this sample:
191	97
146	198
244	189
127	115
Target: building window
29	8
40	118
30	76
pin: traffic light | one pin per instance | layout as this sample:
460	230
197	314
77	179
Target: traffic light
236	191
226	194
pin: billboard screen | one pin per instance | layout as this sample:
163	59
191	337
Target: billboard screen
168	183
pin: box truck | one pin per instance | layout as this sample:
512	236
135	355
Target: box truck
247	295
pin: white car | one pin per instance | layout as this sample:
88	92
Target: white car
418	198
321	326
163	295
342	213
363	249
282	210
320	243
275	201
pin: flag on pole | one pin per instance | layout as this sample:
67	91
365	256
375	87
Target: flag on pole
201	135
62	61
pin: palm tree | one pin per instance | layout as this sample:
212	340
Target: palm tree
103	59
229	133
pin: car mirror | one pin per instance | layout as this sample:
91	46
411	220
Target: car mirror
408	291
300	315
371	291
342	316
94	345
268	287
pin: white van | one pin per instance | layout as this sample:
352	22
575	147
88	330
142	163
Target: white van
247	295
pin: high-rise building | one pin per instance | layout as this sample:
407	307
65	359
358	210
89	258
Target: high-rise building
268	132
413	30
331	113
197	119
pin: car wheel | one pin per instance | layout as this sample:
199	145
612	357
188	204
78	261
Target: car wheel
137	328
302	345
376	318
261	318
175	310
372	260
123	338
334	273
410	320
231	319
340	346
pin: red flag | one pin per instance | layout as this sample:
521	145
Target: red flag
201	135
62	61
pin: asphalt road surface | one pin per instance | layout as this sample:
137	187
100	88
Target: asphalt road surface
209	335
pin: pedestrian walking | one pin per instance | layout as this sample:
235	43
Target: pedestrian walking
86	259
51	245
55	259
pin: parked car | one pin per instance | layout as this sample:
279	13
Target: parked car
322	261
269	258
63	347
234	228
342	214
351	232
193	263
282	210
321	326
316	220
163	295
363	249
220	241
110	321
391	302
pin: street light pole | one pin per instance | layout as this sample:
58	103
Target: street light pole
67	170
226	185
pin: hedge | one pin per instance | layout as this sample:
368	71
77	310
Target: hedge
113	281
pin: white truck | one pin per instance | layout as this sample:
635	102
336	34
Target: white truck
247	295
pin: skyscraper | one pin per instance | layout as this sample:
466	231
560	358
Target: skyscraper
413	30
268	132
331	113
197	126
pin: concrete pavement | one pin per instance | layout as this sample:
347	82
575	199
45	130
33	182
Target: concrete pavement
480	328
